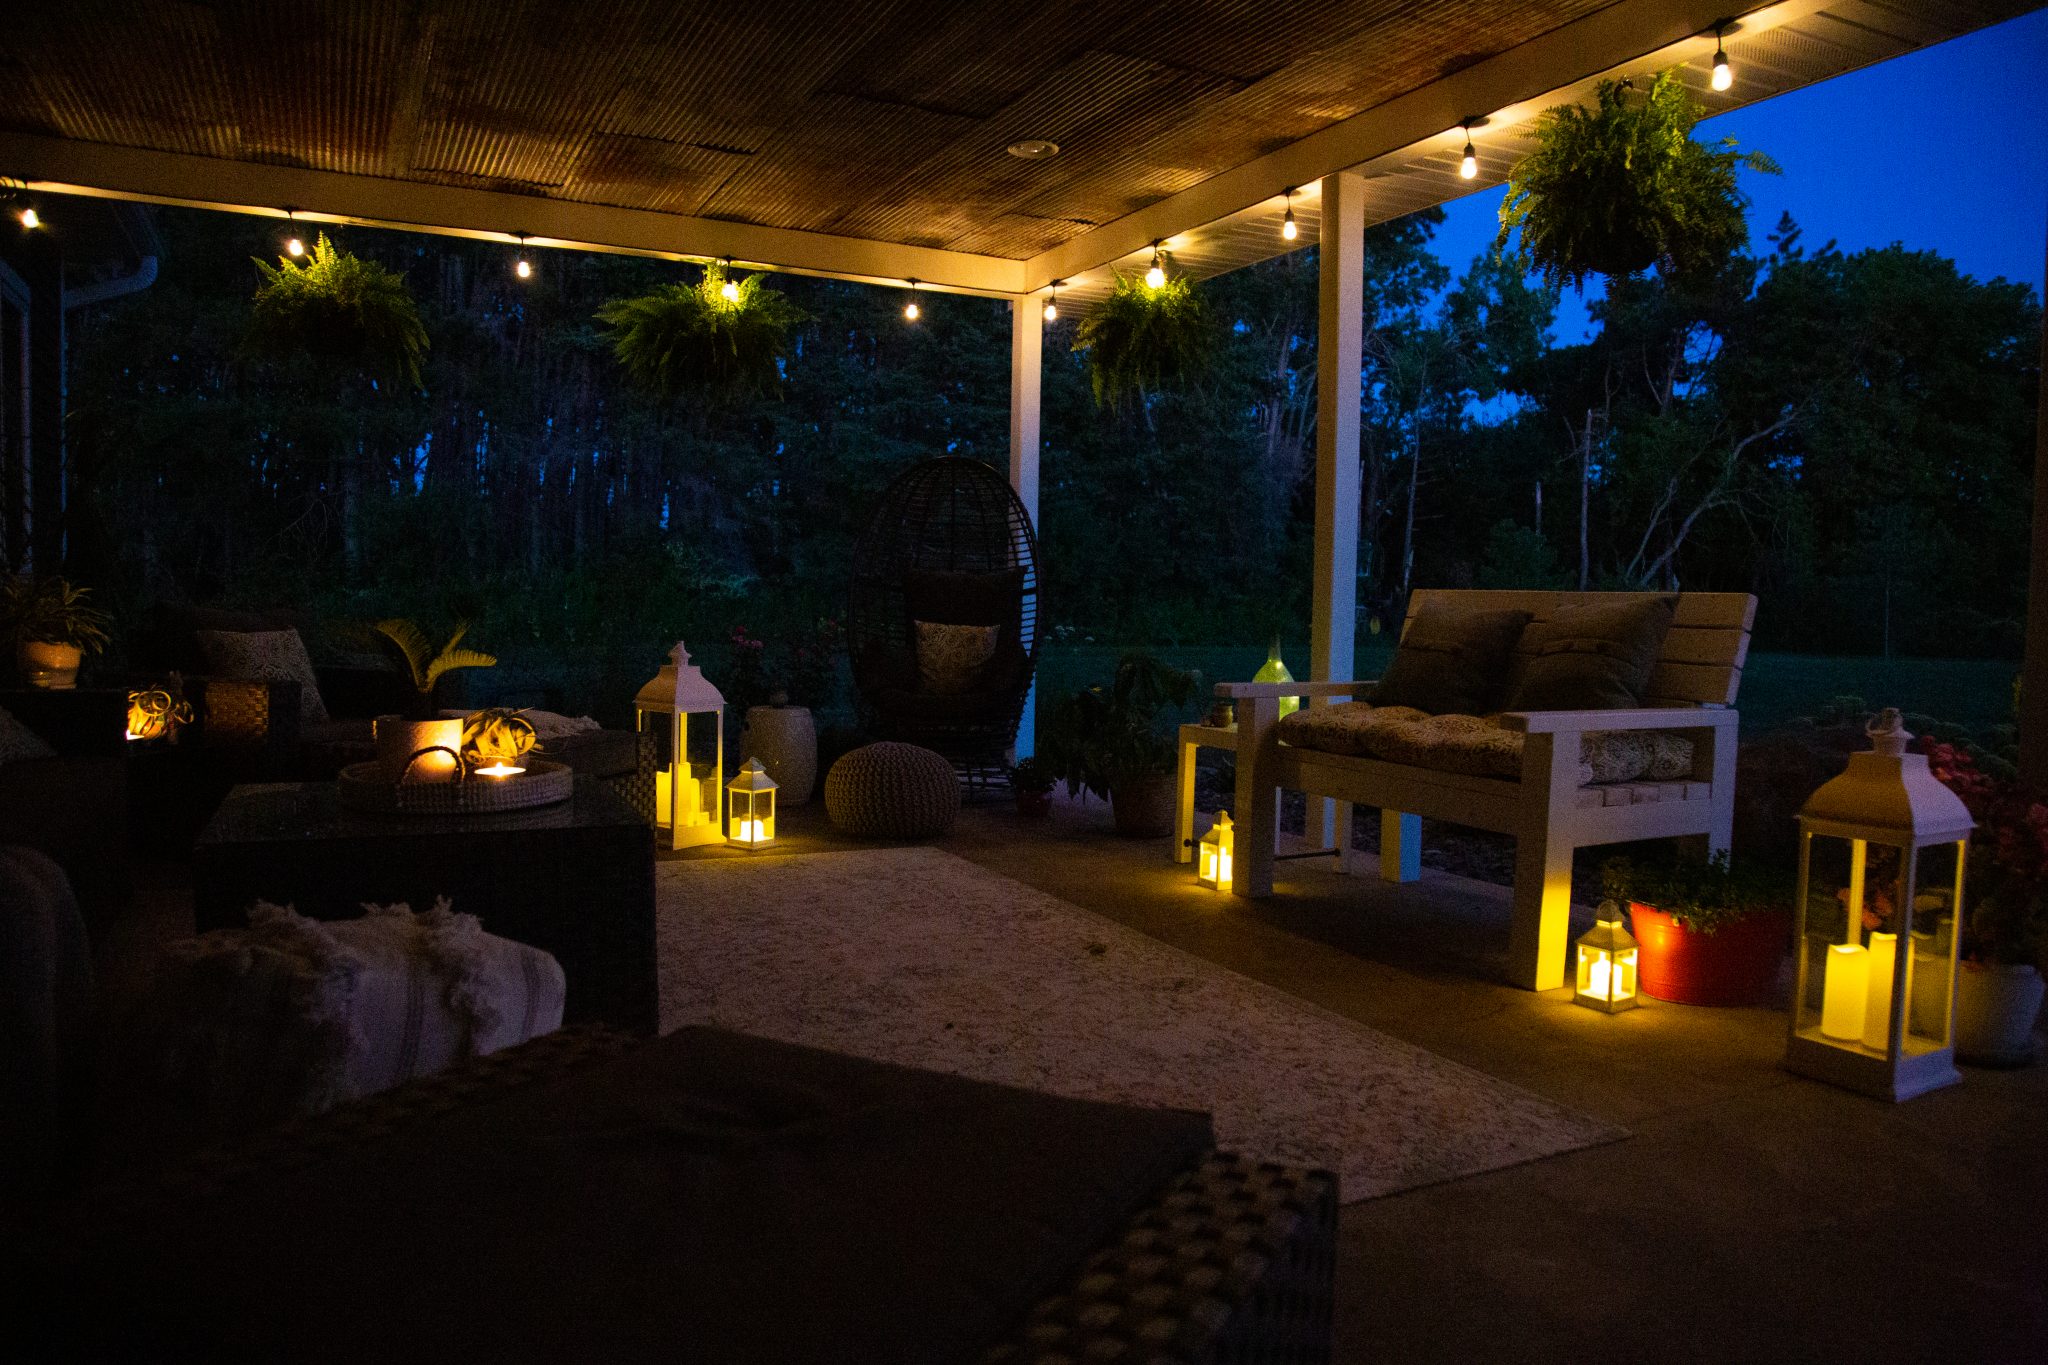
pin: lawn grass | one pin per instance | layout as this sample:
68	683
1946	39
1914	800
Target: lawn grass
1775	687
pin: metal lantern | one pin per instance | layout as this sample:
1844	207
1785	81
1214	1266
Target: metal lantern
1213	854
1873	999
1607	964
751	807
686	715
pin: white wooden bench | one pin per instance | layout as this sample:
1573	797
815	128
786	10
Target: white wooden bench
1548	812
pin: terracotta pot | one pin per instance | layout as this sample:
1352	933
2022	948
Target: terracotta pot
1037	805
1996	1006
49	665
1143	809
785	739
1735	965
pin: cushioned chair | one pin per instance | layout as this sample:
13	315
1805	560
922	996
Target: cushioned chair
949	545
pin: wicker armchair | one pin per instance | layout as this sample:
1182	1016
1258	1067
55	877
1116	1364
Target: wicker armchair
949	544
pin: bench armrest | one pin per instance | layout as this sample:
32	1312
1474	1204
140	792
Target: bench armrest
1292	689
1652	718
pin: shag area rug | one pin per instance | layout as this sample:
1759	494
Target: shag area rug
914	956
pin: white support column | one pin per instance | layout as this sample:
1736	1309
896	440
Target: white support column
1340	328
1027	349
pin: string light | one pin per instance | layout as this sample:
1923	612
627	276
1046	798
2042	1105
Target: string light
1052	303
294	245
1155	278
730	290
1468	165
30	219
911	312
1724	75
522	267
1288	230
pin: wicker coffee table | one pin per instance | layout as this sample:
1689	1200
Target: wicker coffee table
575	879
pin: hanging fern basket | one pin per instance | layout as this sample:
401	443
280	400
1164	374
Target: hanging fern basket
717	338
1623	187
342	311
1143	340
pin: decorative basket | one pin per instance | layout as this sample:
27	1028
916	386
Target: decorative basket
368	787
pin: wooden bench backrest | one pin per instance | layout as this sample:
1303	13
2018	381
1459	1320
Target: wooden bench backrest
1703	655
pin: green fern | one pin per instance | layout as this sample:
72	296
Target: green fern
1142	340
691	339
426	662
1623	187
338	308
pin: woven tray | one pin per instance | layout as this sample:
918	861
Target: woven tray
364	786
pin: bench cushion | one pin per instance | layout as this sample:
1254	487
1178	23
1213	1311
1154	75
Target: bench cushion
1453	659
1478	746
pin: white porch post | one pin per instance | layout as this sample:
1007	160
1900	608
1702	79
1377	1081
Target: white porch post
1340	327
1027	347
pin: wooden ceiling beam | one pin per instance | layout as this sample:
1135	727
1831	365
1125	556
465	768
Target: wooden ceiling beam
65	166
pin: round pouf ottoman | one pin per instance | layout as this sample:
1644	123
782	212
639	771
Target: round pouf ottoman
892	791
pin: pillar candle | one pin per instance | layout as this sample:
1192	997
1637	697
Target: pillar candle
1846	992
1877	1006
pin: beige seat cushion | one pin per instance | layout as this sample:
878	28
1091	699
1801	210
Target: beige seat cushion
1478	746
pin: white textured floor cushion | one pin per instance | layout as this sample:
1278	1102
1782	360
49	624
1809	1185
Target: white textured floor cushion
241	1028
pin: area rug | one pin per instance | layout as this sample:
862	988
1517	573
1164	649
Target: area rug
915	956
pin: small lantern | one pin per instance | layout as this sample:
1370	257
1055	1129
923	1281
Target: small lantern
1875	1011
751	818
1607	964
1213	854
686	715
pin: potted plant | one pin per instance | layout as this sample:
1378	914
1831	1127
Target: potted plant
340	309
717	338
428	665
1622	187
53	626
1710	931
1031	782
1145	338
1112	742
2005	932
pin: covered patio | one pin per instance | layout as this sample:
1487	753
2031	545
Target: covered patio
1715	1207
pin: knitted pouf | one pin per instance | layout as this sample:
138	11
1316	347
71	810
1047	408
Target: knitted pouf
892	791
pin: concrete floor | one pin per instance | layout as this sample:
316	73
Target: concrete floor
1753	1216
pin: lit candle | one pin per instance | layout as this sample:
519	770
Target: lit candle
1877	1007
1601	983
1845	992
751	832
500	770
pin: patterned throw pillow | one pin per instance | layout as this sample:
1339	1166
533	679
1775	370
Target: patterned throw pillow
950	658
17	741
270	655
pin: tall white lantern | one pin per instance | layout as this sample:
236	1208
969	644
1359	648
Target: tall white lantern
1873	999
686	714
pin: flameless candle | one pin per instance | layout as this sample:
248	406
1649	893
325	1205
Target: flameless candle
1845	991
500	770
750	832
1877	1007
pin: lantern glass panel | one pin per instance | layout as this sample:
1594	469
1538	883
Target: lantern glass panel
1607	976
1862	898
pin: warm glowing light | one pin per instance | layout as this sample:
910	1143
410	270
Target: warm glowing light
729	291
500	770
295	247
1288	230
30	219
1215	854
1724	74
1877	991
750	832
1845	992
1607	964
1468	167
1155	278
751	798
911	312
1052	310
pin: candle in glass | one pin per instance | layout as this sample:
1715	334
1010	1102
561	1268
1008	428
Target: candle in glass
1877	1006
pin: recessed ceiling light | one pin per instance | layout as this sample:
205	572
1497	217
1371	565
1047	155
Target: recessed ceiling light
1034	149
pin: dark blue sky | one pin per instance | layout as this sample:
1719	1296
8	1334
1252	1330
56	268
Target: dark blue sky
1944	149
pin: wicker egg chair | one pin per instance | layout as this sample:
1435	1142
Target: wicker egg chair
950	545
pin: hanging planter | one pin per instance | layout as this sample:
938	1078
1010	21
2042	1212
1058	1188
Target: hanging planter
341	310
1623	187
1145	339
718	338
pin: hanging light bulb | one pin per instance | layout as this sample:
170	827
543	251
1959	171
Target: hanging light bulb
730	290
1155	278
1468	165
30	219
1052	303
522	267
294	245
1288	230
1724	74
911	312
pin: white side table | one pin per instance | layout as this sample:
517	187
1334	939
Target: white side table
1194	737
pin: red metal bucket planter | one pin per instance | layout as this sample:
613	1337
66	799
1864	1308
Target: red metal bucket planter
1735	965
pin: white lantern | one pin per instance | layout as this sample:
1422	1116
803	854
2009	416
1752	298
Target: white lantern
1214	854
751	812
1607	964
687	716
1876	1012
